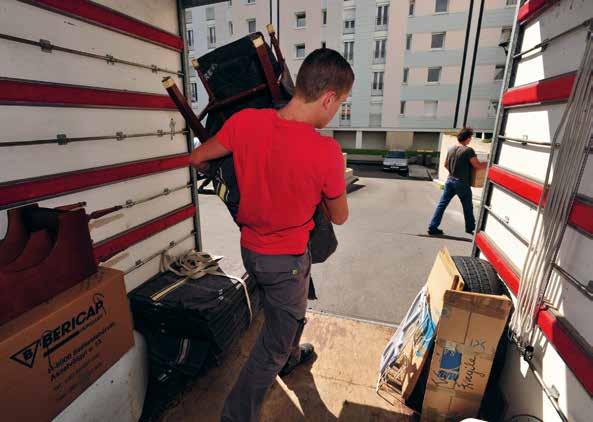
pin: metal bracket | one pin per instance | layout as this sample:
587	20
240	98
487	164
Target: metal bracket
160	133
110	59
172	127
154	68
120	136
46	45
166	191
129	203
62	139
590	286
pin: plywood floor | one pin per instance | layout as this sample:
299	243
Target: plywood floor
338	386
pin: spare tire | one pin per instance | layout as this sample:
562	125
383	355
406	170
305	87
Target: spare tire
479	275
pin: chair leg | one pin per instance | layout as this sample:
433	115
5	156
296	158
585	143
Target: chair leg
185	109
264	59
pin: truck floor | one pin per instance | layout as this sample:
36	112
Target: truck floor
339	385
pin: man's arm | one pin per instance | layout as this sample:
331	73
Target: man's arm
336	209
210	150
477	164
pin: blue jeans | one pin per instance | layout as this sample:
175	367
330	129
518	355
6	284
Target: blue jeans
464	192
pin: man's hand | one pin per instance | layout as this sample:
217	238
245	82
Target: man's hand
209	150
477	164
336	209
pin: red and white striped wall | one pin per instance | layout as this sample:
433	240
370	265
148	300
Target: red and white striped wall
540	83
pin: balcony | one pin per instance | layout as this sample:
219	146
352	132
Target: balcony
345	123
378	60
349	30
381	27
377	92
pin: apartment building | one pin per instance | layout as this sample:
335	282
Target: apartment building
421	66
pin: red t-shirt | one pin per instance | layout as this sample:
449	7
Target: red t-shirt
283	168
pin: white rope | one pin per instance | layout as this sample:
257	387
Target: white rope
555	204
195	265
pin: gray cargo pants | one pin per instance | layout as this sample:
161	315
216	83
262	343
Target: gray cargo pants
284	280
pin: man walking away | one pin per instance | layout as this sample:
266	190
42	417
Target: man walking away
459	162
284	170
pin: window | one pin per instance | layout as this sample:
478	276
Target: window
382	15
188	16
250	25
211	36
230	28
441	6
412	8
380	46
210	13
408	41
434	74
301	20
438	40
492	107
430	108
511	2
345	112
499	72
505	34
402	107
194	92
250	1
406	73
299	51
190	38
324	17
377	85
349	50
349	26
323	44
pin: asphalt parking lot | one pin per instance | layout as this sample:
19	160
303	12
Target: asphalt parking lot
384	253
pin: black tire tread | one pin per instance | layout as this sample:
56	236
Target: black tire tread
479	275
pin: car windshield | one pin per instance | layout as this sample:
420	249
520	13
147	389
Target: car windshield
395	154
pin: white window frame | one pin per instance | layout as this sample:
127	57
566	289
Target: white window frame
378	83
406	75
190	38
409	40
304	20
382	17
194	92
323	17
346	112
436	2
511	3
412	8
380	50
436	108
297	48
444	34
249	1
349	57
440	71
402	108
249	21
211	37
349	26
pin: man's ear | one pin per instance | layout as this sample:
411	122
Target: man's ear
328	98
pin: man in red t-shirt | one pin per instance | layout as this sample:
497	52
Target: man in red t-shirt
284	170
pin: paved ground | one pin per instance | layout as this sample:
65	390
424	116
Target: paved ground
384	254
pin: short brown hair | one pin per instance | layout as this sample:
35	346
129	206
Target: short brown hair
323	70
464	134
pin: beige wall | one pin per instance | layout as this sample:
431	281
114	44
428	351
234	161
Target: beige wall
490	37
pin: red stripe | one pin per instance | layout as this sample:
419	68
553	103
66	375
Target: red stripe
111	19
531	8
525	188
59	184
501	264
557	88
574	355
16	91
581	215
111	247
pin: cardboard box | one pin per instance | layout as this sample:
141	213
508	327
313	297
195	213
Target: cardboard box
478	178
410	361
52	353
467	336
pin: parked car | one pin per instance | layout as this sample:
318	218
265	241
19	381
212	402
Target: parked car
396	161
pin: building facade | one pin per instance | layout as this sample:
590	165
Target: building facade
421	66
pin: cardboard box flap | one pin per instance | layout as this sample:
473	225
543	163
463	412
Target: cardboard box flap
443	276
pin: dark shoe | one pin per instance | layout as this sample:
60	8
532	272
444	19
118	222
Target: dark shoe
470	232
307	352
435	232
